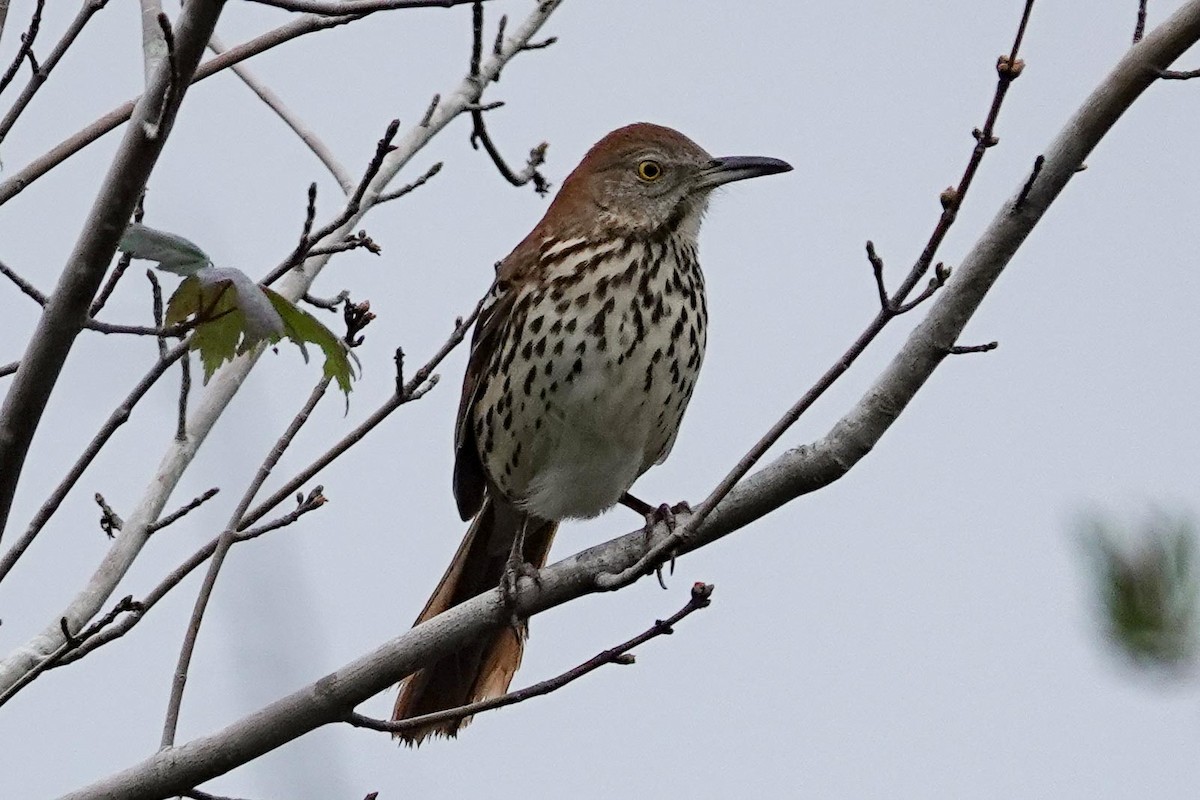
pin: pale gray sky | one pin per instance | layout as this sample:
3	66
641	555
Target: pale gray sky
921	628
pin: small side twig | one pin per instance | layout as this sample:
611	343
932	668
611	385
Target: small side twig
224	542
479	133
25	286
1038	163
70	643
42	74
185	388
958	350
406	392
327	303
119	270
276	104
309	238
1139	28
408	188
700	598
176	576
9	368
118	417
156	308
175	516
1008	69
25	51
1176	75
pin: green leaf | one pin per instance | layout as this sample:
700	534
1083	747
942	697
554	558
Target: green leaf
173	253
301	327
231	314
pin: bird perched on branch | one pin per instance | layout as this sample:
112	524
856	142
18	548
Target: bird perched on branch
582	363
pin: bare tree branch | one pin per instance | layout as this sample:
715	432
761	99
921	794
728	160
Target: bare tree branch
700	598
226	382
224	542
339	7
405	393
314	500
40	76
66	310
113	119
115	420
798	471
314	143
1008	68
26	49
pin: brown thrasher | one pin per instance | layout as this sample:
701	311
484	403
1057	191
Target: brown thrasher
582	363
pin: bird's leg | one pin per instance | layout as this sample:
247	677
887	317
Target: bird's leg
514	569
655	514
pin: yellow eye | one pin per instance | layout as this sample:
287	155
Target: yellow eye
649	170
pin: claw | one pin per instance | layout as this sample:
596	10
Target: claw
516	568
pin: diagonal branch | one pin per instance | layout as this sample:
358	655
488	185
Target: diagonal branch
40	76
66	310
228	380
35	169
1008	68
26	49
268	96
801	470
700	598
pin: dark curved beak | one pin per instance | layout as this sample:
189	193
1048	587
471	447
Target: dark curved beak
728	169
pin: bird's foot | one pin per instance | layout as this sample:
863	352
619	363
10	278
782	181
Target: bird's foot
514	569
667	515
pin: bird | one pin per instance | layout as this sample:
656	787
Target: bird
583	359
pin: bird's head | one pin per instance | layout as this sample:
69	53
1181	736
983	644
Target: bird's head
647	180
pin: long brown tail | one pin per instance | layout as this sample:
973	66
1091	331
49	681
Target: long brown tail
485	667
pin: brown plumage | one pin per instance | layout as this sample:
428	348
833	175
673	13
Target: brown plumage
582	364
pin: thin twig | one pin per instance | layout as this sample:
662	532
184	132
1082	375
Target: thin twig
22	179
1008	68
479	133
156	308
1038	163
224	542
71	642
327	303
273	101
433	104
26	49
958	350
115	420
1139	29
405	393
338	7
406	189
700	598
1176	75
310	503
38	77
308	238
119	271
25	286
9	368
185	388
175	516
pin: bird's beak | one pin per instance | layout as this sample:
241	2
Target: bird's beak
728	169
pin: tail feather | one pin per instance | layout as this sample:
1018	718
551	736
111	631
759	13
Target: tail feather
484	668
